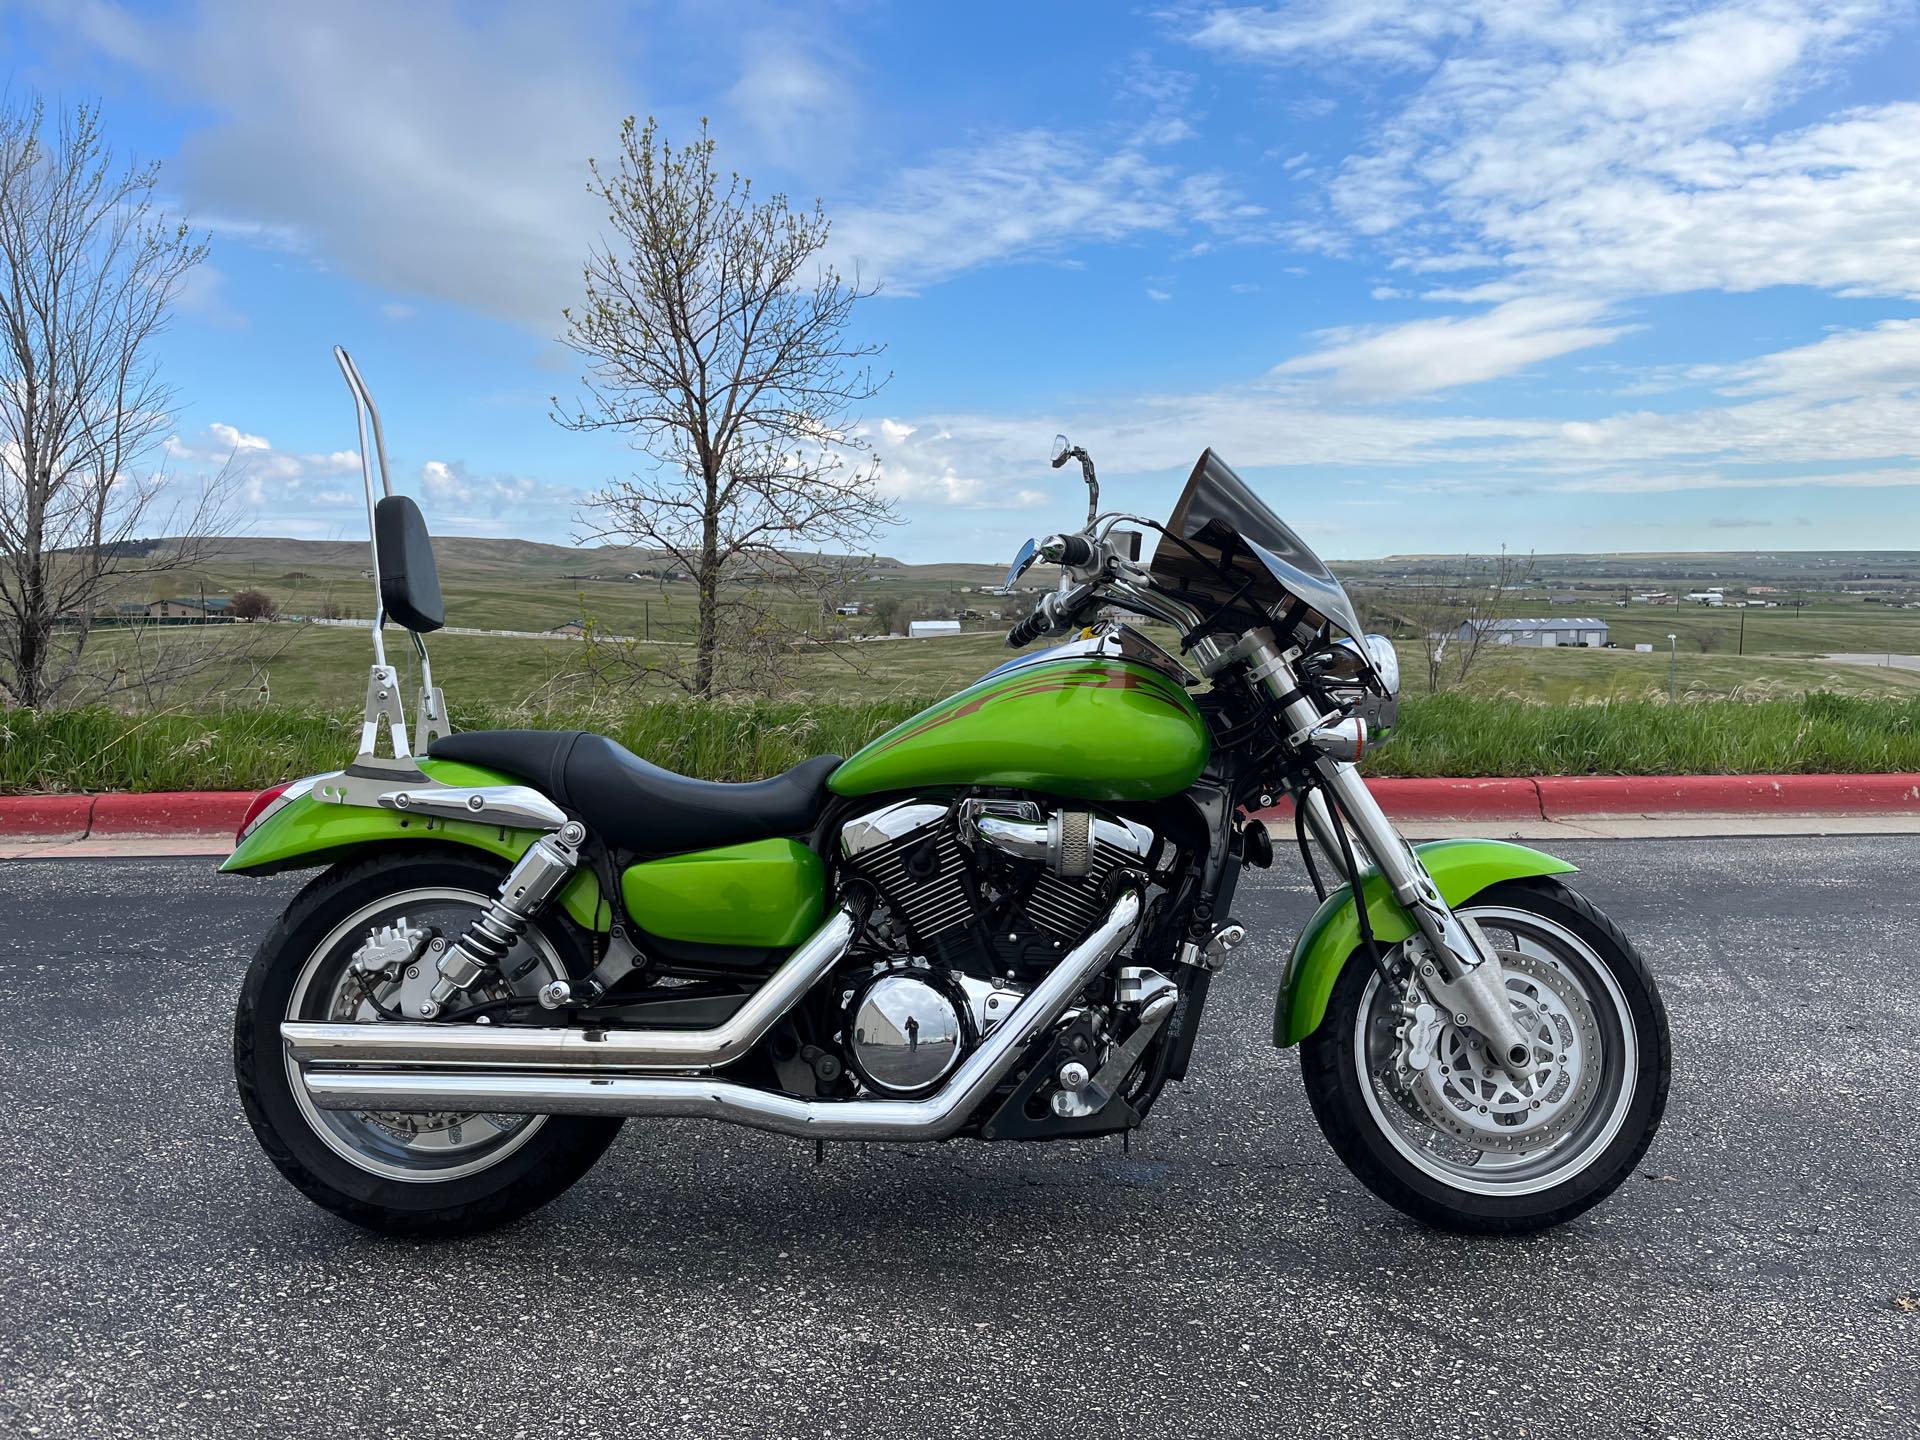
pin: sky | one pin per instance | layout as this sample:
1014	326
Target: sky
1434	277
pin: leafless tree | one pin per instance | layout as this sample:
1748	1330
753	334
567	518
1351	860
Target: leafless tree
1451	612
715	337
91	271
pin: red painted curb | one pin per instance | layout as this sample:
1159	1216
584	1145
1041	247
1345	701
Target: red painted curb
1448	799
45	815
1554	797
179	812
1567	795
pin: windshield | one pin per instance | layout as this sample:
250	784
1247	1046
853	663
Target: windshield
1238	551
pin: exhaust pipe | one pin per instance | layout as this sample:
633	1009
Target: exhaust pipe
496	1047
933	1118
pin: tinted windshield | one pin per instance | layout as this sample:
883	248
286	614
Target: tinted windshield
1236	546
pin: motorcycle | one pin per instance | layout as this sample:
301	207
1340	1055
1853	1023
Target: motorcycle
998	920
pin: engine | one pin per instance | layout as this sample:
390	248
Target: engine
977	899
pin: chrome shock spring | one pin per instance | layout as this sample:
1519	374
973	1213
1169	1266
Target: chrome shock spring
545	867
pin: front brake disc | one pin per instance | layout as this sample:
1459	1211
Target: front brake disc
1467	1092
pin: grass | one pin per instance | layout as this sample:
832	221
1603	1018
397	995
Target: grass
100	749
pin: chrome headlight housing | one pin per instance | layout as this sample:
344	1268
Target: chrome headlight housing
1363	675
1384	661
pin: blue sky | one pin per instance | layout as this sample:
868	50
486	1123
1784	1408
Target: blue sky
1596	276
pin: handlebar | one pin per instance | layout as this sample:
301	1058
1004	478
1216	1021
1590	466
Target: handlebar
1077	551
1054	613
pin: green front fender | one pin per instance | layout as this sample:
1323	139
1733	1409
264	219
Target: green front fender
311	832
1460	869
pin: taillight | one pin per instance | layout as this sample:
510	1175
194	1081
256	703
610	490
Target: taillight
257	811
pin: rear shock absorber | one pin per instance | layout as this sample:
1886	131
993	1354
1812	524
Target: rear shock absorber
545	867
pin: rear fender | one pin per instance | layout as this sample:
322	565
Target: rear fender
307	833
1460	869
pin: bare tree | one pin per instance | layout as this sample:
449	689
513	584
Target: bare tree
90	275
1453	611
715	336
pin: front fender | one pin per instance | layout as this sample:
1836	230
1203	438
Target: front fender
1460	869
309	832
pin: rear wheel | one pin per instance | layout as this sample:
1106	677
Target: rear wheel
361	944
1427	1119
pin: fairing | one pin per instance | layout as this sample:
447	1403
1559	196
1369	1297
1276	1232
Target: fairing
1237	552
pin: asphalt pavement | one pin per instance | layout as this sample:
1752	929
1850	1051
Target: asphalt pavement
1760	1275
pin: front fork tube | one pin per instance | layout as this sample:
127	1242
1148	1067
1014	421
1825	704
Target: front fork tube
1468	978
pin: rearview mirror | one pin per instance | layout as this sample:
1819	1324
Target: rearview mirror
1061	450
1022	562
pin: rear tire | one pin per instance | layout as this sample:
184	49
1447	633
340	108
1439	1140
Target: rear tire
1606	1106
354	1165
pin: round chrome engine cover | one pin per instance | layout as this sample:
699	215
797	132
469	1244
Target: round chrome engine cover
905	1036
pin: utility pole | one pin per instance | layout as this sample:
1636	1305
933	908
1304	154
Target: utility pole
1673	667
1743	632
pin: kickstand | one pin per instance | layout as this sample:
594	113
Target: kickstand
1126	1142
819	1152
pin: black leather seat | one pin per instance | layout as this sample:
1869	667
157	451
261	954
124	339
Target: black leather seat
639	806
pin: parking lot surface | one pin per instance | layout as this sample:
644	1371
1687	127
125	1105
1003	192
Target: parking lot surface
1760	1275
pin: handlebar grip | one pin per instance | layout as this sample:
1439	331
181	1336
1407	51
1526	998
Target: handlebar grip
1026	631
1076	550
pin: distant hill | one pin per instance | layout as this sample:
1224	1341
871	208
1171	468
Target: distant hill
478	556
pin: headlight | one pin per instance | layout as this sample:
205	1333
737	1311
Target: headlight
1385	662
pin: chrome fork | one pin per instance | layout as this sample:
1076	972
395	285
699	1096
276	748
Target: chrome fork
1465	974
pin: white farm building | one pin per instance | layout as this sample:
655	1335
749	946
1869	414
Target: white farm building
1546	633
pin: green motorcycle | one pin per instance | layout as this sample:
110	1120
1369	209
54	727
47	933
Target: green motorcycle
998	920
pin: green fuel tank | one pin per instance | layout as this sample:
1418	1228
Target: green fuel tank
1092	728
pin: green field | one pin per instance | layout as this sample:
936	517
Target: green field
100	749
327	666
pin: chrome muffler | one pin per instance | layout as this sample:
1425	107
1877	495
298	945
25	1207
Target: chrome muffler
699	1097
497	1047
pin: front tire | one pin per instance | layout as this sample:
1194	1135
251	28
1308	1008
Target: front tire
424	1176
1461	1145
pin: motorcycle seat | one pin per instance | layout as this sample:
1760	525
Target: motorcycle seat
636	805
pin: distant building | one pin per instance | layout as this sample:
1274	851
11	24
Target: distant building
1713	596
925	629
211	609
570	627
1546	633
1566	600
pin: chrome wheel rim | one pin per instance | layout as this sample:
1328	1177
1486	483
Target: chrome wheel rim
1468	1124
417	1149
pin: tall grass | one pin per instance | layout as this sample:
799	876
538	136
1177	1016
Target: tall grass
101	749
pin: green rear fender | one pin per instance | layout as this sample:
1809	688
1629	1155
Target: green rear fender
310	832
1460	868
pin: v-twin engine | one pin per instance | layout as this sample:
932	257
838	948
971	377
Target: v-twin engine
1025	881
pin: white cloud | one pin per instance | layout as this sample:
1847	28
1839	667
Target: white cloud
431	150
1449	351
1028	195
460	501
1893	478
1832	416
1621	148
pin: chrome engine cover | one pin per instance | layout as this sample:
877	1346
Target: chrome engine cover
906	1035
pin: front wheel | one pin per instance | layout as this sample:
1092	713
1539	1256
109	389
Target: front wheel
1432	1124
360	944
